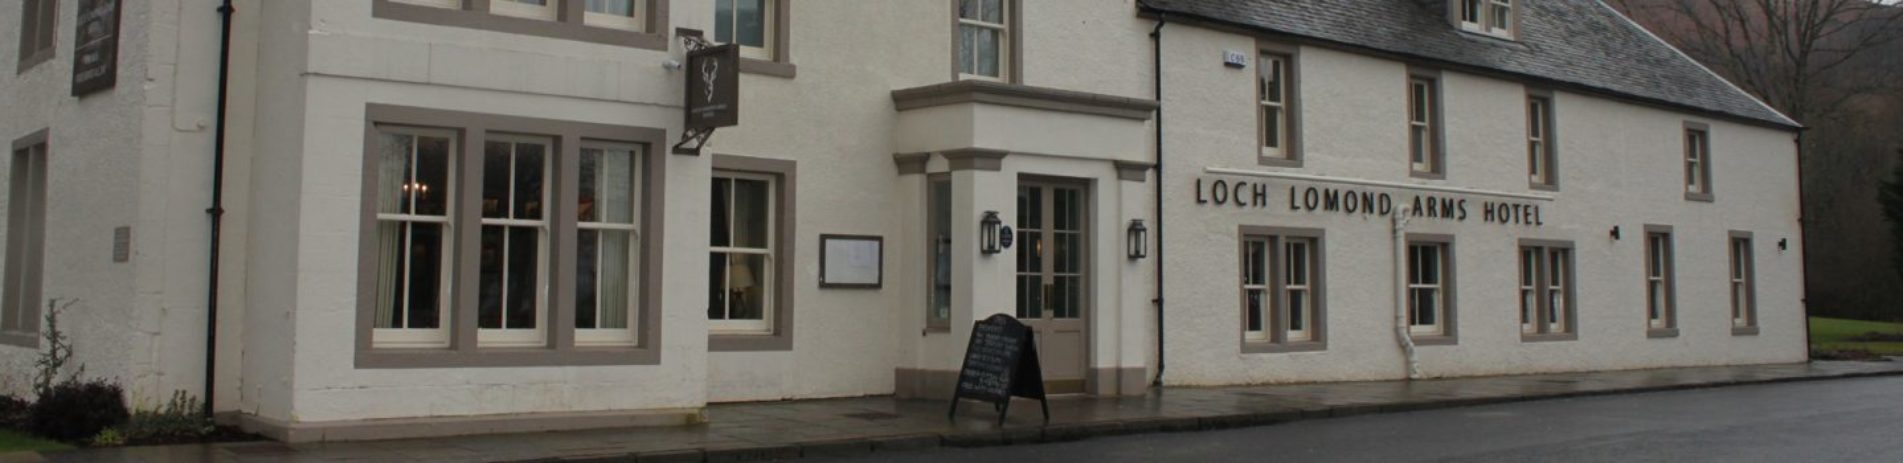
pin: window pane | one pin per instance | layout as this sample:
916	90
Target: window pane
1425	301
509	277
752	22
723	21
1272	127
1419	104
750	213
395	168
1030	208
613	7
1417	144
603	278
986	42
528	180
1030	296
409	275
993	11
1297	256
968	9
967	49
1255	261
430	187
941	246
1255	308
722	216
1298	310
607	186
718	295
747	277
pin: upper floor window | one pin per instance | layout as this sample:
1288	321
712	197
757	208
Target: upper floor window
25	242
533	9
1697	162
1275	90
629	23
617	14
1425	156
1540	159
748	23
1492	17
984	38
38	19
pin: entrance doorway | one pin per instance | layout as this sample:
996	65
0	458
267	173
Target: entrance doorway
1052	293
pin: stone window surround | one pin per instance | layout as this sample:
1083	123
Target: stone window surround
31	56
34	144
568	25
786	174
1551	139
1704	164
1572	288
1437	126
1671	283
1450	333
1013	44
1750	281
1292	106
1318	292
463	351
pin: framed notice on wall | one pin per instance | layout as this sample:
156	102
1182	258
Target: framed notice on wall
851	262
96	47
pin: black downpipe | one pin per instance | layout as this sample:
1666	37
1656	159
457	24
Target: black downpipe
217	210
1156	38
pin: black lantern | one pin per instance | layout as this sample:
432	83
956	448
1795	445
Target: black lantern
988	233
1139	237
1615	232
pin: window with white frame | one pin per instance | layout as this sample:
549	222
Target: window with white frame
39	20
984	37
1424	125
740	270
1659	280
1697	163
1280	279
546	10
1743	283
748	23
615	14
513	266
413	191
1428	276
1546	275
25	246
1272	84
1540	156
607	244
1491	17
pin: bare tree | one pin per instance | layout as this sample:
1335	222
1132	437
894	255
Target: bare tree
1835	66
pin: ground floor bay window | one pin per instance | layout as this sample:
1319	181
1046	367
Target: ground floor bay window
510	240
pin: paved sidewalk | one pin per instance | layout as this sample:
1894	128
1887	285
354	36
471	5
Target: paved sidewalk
838	427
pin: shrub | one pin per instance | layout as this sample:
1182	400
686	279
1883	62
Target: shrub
13	412
108	438
76	410
177	420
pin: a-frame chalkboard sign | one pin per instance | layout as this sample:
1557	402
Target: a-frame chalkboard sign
1001	362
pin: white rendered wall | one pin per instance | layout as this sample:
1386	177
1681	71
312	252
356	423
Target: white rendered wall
1620	165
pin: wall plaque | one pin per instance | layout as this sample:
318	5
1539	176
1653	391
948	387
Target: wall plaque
851	262
96	47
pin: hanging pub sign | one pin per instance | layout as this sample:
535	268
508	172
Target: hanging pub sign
1000	363
713	87
96	47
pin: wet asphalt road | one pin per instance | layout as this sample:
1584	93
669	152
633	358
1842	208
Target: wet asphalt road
1824	421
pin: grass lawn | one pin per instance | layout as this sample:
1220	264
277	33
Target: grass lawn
15	442
1835	333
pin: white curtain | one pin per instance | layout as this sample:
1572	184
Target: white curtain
393	162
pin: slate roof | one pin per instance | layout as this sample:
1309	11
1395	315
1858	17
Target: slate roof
1581	43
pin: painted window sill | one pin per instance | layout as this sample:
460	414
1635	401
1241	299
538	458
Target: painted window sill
1659	333
1265	347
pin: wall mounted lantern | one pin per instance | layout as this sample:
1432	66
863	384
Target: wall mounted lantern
1139	237
1784	244
1615	233
988	233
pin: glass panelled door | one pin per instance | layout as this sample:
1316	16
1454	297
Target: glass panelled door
1051	278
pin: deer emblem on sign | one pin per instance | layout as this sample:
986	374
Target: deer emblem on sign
709	72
